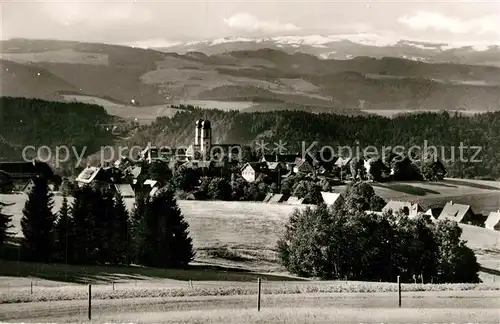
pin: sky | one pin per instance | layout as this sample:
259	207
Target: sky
161	22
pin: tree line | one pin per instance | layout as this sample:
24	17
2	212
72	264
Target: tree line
346	242
96	228
444	130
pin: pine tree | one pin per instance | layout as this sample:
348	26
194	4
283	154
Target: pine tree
84	226
121	233
63	247
38	223
164	240
137	224
4	225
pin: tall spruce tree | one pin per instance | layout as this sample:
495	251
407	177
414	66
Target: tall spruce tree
63	245
121	232
84	226
5	225
137	224
38	223
164	238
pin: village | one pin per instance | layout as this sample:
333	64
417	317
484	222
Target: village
289	179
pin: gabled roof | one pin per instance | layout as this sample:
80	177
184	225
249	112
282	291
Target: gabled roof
342	161
284	158
329	198
88	174
150	182
278	198
412	208
268	197
125	190
454	212
293	200
256	166
274	165
493	220
299	162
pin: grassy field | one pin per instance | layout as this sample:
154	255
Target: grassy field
243	234
143	115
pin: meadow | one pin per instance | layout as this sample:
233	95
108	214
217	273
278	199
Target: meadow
243	235
142	114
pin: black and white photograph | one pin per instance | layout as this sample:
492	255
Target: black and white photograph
233	162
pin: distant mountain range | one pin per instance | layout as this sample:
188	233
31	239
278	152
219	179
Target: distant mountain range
263	79
343	47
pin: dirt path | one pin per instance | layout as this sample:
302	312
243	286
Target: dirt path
483	306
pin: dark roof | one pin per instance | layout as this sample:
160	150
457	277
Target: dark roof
257	166
27	170
285	158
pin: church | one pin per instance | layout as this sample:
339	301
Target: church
204	149
202	140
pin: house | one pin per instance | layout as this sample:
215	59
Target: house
293	200
330	198
122	163
268	197
433	215
28	186
278	198
493	221
24	171
408	208
342	162
134	172
287	160
164	154
302	165
98	176
251	171
153	184
371	212
125	190
458	212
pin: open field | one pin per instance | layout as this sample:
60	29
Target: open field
140	114
244	234
390	113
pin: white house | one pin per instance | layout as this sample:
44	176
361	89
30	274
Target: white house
251	171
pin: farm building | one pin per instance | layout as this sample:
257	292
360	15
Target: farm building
493	221
330	198
302	166
97	176
125	190
459	213
408	208
24	171
28	186
278	198
251	171
295	201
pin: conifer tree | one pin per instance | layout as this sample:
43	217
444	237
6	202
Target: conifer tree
164	241
121	232
5	224
63	247
137	223
38	223
83	226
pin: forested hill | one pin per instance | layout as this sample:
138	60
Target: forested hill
447	130
40	123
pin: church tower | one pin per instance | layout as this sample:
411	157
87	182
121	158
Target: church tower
197	132
206	136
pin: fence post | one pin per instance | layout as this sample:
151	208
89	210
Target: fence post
90	302
32	287
399	291
258	297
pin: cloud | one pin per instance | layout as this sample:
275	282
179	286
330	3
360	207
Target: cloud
249	23
425	20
